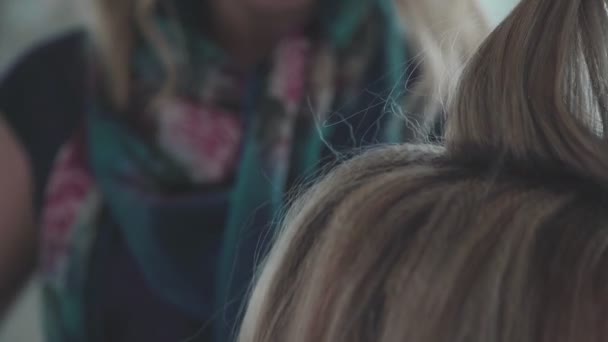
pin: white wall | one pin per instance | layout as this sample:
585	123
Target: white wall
497	9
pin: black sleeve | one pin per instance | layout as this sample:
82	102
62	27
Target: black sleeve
42	99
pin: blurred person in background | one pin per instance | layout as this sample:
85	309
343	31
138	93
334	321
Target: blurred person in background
145	159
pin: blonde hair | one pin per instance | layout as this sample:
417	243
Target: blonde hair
444	32
500	235
114	28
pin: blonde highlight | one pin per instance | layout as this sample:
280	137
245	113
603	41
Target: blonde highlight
445	35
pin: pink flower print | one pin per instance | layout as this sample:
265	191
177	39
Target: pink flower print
69	189
292	60
204	141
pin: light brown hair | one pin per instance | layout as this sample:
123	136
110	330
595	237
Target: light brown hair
499	235
443	33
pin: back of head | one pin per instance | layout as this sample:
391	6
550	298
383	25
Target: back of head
500	235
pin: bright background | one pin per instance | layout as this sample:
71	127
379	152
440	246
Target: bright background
26	22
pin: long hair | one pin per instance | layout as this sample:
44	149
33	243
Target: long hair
114	27
431	25
499	235
444	35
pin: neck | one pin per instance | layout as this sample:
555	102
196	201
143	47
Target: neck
249	35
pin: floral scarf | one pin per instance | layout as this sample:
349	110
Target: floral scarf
227	142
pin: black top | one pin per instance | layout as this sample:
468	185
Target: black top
42	99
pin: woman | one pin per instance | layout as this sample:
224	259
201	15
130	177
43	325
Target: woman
166	138
500	235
